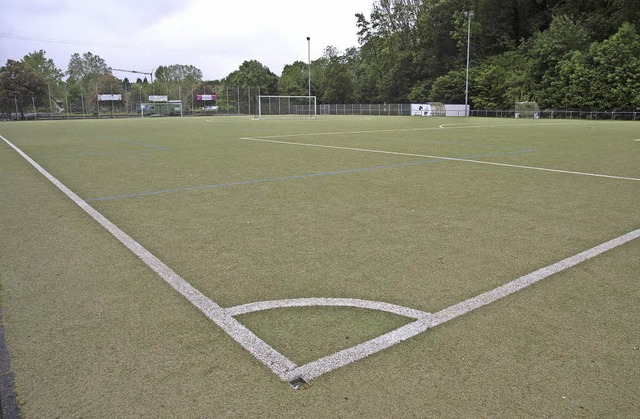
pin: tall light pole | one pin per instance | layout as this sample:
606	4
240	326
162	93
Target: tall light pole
468	14
309	61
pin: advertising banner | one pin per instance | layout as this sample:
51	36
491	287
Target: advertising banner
207	97
109	97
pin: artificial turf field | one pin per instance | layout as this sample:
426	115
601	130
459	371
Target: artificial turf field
419	213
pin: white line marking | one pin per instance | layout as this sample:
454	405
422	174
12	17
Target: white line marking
330	302
329	363
262	351
516	125
396	153
279	364
529	279
375	131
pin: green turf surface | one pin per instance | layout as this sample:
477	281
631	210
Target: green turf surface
93	332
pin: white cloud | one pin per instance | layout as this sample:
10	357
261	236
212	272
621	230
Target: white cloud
214	36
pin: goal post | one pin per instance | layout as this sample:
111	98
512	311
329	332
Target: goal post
284	107
527	110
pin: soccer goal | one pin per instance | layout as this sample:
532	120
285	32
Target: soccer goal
527	110
282	107
169	108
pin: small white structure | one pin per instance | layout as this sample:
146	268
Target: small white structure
428	109
438	109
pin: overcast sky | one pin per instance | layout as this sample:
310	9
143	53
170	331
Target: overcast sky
215	36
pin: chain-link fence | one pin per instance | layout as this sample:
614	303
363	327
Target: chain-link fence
564	114
389	109
242	100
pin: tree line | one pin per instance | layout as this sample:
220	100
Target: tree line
563	54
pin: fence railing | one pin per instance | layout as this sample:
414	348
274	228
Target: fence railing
389	109
242	102
564	114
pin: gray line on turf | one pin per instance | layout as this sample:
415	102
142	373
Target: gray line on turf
92	154
157	147
375	131
278	363
294	177
397	153
258	181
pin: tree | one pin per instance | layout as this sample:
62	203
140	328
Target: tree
177	80
89	75
21	86
254	74
44	66
574	83
126	84
335	80
499	81
294	80
86	66
48	70
437	50
500	26
178	73
546	50
601	18
448	88
369	75
607	76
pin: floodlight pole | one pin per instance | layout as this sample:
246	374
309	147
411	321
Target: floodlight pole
309	61
468	14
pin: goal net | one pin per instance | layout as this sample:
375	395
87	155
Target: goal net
170	108
282	107
527	110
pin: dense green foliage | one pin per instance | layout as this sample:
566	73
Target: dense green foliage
561	53
21	87
564	54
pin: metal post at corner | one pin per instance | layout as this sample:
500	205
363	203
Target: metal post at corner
468	15
309	65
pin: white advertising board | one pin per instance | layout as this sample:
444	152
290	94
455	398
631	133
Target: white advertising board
109	97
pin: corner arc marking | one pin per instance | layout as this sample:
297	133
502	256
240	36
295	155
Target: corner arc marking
332	302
